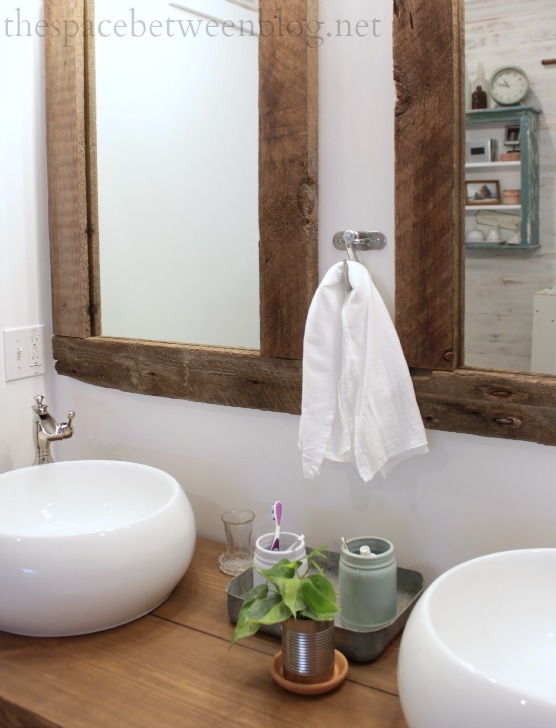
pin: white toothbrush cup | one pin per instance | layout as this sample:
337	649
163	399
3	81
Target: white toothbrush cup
264	558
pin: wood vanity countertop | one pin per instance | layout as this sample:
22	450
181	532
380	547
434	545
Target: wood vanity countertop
172	668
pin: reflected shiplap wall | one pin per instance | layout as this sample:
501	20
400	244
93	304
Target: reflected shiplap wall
500	286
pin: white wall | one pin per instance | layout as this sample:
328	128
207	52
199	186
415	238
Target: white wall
24	258
468	496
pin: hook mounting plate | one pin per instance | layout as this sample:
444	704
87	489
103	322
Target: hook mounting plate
364	240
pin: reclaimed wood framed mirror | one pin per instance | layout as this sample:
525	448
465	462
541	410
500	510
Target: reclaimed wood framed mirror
428	69
268	378
429	72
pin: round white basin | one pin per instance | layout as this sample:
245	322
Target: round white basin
88	545
479	649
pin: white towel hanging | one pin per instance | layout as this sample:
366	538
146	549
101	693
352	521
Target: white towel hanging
358	401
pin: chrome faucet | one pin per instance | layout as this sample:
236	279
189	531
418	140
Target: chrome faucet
46	429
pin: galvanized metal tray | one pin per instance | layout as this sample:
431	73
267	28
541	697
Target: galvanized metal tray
358	646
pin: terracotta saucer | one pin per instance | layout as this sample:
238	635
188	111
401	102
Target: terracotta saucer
340	671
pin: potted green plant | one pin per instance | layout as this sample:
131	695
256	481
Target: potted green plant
305	606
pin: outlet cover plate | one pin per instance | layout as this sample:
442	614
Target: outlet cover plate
24	352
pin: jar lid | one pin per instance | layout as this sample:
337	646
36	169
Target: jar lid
378	549
366	551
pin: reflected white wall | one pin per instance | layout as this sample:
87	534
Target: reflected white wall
177	128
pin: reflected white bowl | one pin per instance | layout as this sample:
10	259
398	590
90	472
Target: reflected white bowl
479	648
88	545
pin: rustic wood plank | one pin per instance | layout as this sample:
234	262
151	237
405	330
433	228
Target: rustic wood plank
152	673
238	378
15	716
489	403
380	674
428	179
288	161
67	182
91	160
156	672
199	601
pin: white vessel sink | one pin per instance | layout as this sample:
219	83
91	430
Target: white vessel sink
479	648
89	545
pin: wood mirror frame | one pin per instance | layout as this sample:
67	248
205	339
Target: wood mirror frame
269	378
428	69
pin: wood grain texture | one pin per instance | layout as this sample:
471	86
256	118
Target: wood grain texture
428	186
287	174
237	378
288	223
67	179
489	403
173	668
16	716
91	161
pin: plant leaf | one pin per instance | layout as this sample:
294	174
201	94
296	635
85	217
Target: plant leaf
313	555
290	591
257	592
269	610
278	613
312	597
259	607
284	569
244	628
320	617
319	595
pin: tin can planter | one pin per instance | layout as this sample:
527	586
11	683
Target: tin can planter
308	654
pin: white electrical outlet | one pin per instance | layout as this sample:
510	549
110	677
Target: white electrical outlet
23	352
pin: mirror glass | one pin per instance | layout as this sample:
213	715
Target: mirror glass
510	186
177	146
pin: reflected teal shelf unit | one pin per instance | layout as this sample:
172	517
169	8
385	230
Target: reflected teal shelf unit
491	123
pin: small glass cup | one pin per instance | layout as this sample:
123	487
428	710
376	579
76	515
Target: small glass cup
238	526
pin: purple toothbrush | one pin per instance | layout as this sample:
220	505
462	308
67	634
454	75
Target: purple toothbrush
277	516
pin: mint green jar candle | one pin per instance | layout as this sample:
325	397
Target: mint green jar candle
368	579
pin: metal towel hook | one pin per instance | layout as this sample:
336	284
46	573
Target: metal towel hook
349	237
351	241
363	240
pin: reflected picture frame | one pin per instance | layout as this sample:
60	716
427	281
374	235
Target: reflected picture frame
511	135
482	192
